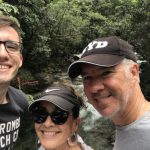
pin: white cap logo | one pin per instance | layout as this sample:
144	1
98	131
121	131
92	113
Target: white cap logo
95	44
50	90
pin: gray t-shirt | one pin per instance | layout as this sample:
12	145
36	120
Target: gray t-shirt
135	136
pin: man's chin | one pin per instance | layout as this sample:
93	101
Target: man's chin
5	80
108	114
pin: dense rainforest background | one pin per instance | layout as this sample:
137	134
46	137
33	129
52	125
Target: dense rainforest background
54	31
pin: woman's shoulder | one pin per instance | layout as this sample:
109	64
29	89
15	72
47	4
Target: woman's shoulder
83	144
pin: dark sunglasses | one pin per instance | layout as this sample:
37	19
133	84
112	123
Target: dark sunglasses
58	116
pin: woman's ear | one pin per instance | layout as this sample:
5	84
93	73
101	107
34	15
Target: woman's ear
76	124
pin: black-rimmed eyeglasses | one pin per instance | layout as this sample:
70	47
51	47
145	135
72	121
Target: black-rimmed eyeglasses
12	46
58	116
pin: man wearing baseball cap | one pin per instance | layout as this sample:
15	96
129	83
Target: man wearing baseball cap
110	74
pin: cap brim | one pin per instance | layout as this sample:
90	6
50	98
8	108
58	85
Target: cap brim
56	100
103	60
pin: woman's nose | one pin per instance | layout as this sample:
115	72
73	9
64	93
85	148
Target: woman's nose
48	122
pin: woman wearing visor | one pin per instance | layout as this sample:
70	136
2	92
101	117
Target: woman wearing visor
56	117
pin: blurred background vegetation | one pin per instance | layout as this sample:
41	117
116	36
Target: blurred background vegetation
54	30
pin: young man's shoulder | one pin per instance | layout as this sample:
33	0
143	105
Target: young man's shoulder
18	96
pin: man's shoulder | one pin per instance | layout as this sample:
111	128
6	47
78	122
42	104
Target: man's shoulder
15	91
18	96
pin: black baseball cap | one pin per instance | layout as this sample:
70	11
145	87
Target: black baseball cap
104	52
61	96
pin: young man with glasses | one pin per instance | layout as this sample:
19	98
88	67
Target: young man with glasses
110	74
13	103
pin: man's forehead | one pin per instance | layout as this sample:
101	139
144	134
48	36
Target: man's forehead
10	32
89	67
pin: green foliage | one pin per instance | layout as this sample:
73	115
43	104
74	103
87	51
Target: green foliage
51	29
7	9
145	84
25	81
30	98
54	29
25	74
140	26
140	37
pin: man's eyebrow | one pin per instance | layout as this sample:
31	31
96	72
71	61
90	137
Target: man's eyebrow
100	69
